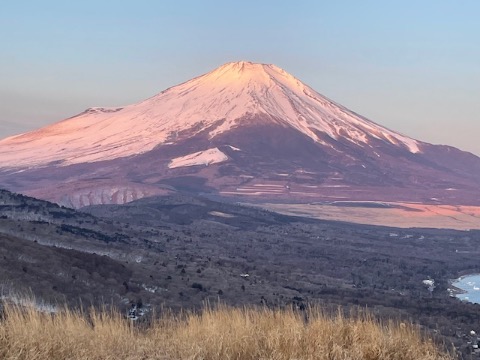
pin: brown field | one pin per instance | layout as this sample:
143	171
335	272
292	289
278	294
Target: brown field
221	333
403	215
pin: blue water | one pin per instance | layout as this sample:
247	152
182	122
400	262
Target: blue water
471	285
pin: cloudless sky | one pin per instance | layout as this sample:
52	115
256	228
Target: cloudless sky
413	66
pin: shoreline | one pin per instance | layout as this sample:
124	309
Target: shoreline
454	291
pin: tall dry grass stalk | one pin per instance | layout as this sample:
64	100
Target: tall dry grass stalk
215	333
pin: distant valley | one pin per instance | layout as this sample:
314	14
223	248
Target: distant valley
403	215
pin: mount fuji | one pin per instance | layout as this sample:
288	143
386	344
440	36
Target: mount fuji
244	130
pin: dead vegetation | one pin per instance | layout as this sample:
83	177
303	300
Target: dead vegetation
215	333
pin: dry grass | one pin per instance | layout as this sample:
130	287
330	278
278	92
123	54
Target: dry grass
221	333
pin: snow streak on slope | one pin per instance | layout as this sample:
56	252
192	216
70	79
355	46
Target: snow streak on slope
219	101
207	157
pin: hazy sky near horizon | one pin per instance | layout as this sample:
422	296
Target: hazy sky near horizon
412	66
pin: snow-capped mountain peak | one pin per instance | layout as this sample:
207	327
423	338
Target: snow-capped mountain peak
219	101
247	130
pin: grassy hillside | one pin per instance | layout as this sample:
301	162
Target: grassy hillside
221	333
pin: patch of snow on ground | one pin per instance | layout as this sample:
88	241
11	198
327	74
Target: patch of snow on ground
430	283
29	303
221	214
206	157
268	185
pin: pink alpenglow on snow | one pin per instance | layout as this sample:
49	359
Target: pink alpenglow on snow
243	130
229	93
205	158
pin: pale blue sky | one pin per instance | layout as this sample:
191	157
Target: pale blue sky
413	66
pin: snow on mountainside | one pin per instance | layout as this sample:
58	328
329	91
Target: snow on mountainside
205	158
243	130
217	102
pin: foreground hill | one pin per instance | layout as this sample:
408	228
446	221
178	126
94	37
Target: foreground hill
59	254
243	130
224	333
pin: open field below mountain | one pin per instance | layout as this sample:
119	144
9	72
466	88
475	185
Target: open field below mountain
401	215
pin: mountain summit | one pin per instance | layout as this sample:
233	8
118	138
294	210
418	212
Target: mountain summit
265	133
218	101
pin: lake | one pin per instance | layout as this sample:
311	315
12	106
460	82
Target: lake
471	285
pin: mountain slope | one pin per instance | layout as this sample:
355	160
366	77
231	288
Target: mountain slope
215	101
244	130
